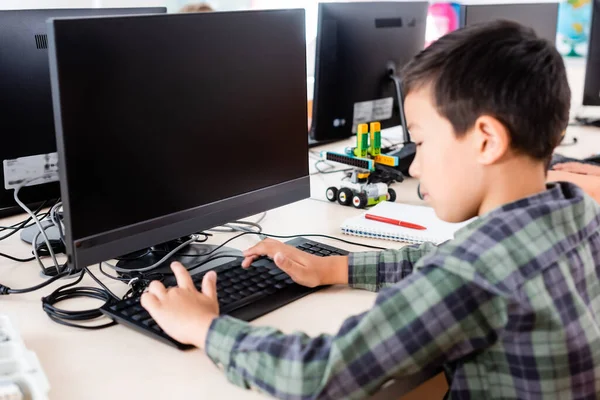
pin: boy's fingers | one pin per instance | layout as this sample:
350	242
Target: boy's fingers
286	263
184	280
157	289
149	301
260	249
254	250
248	260
209	285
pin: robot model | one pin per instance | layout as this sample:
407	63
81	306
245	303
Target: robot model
368	182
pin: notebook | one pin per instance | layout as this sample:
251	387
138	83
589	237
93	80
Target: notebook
437	230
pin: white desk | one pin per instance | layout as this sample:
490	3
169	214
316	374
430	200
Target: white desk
120	363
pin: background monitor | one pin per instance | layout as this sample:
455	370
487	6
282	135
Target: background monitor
591	89
541	17
26	118
356	43
170	125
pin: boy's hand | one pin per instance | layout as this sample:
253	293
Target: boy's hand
578	168
183	312
305	269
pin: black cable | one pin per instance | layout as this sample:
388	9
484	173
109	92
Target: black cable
290	237
116	278
17	227
16	258
4	290
114	296
325	171
64	317
125	258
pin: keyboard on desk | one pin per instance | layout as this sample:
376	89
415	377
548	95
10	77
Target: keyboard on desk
242	293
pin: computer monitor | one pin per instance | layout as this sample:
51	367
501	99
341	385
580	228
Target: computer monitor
26	118
541	17
591	89
173	124
357	44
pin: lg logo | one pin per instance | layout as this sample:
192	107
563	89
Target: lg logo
339	122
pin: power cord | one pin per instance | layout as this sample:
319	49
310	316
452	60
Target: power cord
23	224
37	222
194	238
241	226
65	317
13	258
5	290
331	169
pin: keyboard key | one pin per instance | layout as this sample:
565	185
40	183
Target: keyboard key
281	277
270	290
262	262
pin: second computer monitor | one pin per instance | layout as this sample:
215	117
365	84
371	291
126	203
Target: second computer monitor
541	17
26	118
356	42
591	90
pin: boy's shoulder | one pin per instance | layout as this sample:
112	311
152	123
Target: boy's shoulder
516	241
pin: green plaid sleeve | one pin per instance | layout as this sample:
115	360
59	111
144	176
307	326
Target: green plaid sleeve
428	319
374	270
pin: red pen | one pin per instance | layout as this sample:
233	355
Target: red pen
395	222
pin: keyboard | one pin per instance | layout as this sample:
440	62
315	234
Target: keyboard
245	294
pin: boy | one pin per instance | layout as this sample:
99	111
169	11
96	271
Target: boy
510	308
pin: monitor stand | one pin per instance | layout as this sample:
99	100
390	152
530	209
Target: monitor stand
27	234
190	256
406	154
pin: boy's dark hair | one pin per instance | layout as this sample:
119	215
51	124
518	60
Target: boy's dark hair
500	69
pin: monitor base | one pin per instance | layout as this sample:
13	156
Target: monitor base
195	257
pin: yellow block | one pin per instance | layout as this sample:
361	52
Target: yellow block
386	160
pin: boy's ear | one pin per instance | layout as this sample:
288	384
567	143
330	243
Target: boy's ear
492	139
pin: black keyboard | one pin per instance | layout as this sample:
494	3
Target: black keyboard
242	293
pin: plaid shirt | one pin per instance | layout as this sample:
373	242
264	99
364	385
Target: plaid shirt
510	309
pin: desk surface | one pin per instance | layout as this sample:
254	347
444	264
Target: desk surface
119	362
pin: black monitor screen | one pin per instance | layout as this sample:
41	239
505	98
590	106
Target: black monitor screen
26	118
541	17
591	90
168	114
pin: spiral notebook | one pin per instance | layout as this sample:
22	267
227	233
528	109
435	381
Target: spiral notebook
437	230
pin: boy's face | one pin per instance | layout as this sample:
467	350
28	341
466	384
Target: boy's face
450	176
